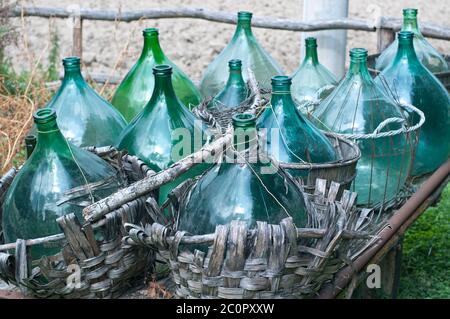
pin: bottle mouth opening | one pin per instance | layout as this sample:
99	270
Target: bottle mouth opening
410	12
311	42
281	80
245	15
358	54
235	64
71	61
405	35
44	115
162	69
150	32
244	120
30	138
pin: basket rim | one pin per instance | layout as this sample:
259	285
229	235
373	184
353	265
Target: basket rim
98	151
342	162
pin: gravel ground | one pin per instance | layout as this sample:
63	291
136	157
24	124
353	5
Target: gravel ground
192	44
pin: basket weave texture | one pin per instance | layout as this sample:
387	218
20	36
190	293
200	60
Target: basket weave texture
265	261
93	262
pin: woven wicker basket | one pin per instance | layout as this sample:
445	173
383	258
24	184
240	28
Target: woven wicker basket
342	171
105	268
267	261
444	77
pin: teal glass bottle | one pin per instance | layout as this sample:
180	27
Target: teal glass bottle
311	82
428	55
136	88
84	117
243	187
245	47
38	193
165	131
235	91
411	82
30	144
296	140
358	106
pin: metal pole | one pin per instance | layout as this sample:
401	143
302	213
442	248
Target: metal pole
399	223
333	43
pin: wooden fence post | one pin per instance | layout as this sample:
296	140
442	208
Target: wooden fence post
77	36
385	37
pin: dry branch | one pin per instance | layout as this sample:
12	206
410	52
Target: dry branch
97	210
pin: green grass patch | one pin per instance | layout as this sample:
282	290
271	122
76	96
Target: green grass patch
425	271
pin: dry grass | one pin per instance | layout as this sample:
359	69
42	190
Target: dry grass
16	113
20	95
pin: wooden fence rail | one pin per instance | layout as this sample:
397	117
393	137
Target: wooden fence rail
384	26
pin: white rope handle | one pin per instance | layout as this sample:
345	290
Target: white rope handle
376	133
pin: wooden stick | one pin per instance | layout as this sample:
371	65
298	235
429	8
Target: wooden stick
77	36
430	30
385	35
33	242
97	210
301	233
197	239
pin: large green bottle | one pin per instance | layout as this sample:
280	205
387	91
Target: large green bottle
245	47
290	137
235	91
311	82
410	82
165	131
359	106
136	88
37	196
84	117
241	187
428	55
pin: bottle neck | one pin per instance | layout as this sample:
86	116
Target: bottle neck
72	73
281	93
30	144
244	26
235	77
152	48
406	50
48	134
163	86
311	55
358	67
411	24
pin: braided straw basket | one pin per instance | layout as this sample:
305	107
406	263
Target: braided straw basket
342	171
267	261
93	262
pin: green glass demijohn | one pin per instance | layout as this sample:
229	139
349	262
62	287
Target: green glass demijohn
84	117
235	91
136	88
243	186
39	195
311	82
296	140
428	55
358	106
165	131
245	47
412	83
